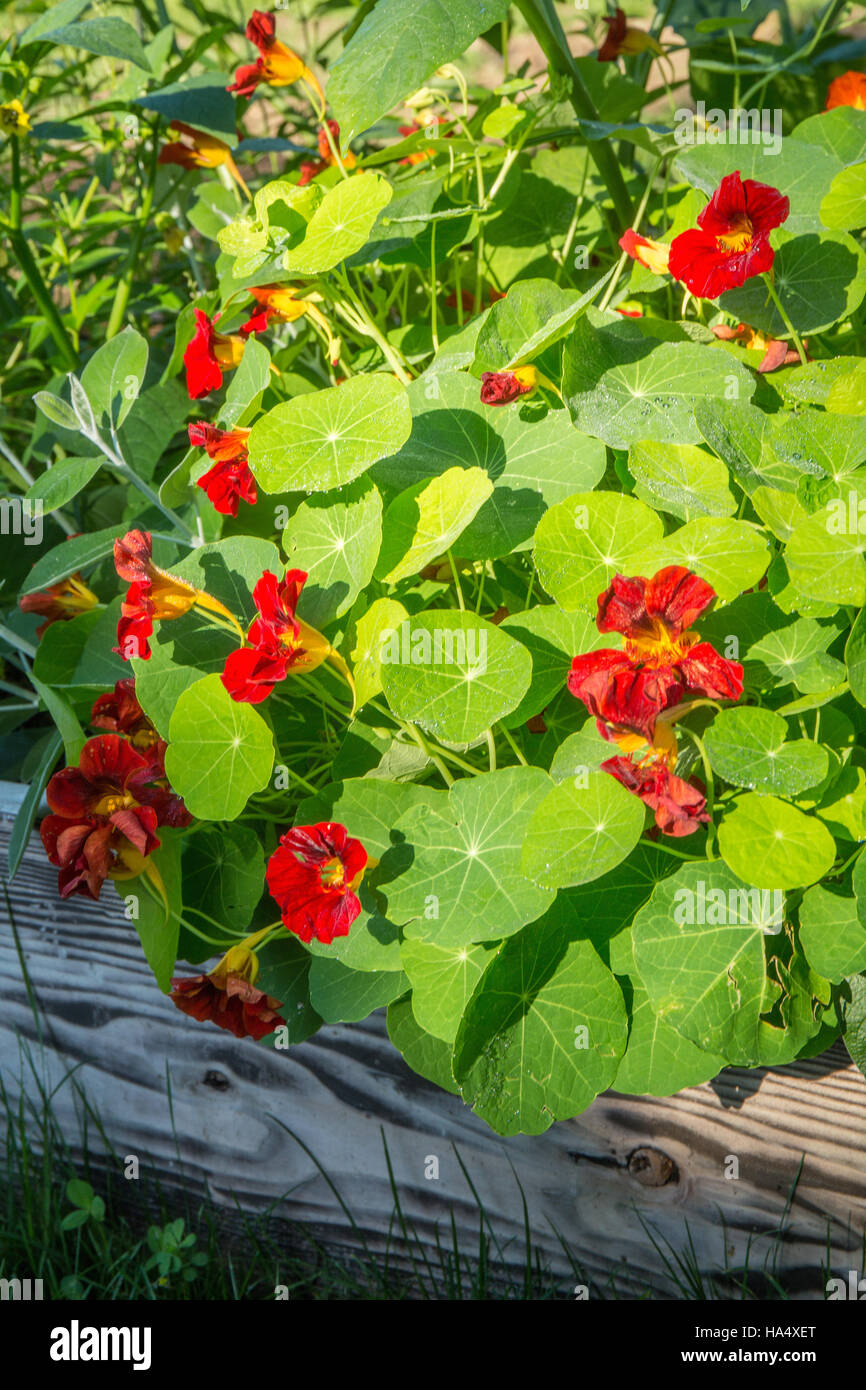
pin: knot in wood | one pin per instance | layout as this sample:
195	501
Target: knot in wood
652	1168
217	1080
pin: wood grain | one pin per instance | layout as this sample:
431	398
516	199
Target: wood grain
625	1186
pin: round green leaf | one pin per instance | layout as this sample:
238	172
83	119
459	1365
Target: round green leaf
442	980
543	1032
819	278
427	1055
224	872
582	829
324	439
773	845
336	539
462	880
580	544
426	520
731	555
219	752
831	933
747	747
681	479
454	674
702	955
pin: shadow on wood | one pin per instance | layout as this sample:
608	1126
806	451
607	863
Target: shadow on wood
623	1185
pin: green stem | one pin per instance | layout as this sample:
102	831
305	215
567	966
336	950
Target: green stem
547	30
124	285
30	269
771	290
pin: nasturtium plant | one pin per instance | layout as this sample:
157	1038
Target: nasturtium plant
437	568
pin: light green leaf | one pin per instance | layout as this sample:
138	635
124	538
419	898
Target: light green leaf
533	316
60	483
336	539
426	1055
341	224
580	544
831	933
580	832
462	882
327	438
623	386
442	980
113	376
463	674
844	207
771	844
747	747
110	37
342	995
424	522
385	615
731	555
819	279
219	753
681	479
396	47
803	170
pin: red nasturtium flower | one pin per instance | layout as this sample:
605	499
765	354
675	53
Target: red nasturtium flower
228	997
847	90
311	167
105	813
277	66
500	388
731	242
208	355
313	875
230	481
636	693
281	641
776	352
652	254
622	38
198	150
153	594
59	602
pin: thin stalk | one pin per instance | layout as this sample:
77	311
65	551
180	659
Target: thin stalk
771	290
30	270
124	284
547	30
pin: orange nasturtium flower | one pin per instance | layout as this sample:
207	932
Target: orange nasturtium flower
277	66
622	38
197	150
59	602
847	90
14	120
281	304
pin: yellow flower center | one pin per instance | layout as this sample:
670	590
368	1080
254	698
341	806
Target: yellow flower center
332	874
739	238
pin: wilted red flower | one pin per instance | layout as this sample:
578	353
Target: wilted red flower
230	481
622	38
120	712
500	388
278	66
776	352
208	354
311	167
105	814
281	642
731	242
313	875
680	808
662	660
59	602
228	997
198	150
847	90
652	254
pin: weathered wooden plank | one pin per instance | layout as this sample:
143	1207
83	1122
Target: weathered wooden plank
588	1179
